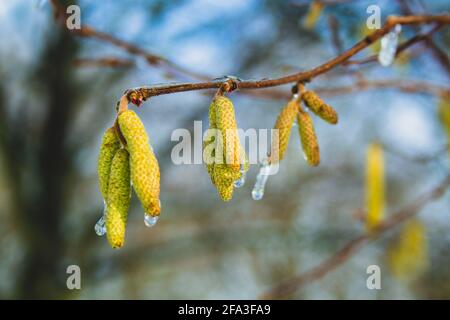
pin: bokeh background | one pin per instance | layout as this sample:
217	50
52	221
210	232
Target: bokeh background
54	109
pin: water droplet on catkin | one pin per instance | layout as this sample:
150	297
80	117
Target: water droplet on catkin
99	227
150	221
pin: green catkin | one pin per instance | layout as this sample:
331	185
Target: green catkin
223	143
308	138
145	174
224	178
226	123
209	141
118	201
110	145
319	107
284	125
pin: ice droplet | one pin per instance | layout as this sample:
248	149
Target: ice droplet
261	180
389	46
100	228
241	181
150	221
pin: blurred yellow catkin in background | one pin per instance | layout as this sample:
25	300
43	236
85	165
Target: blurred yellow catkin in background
313	15
408	257
375	186
444	116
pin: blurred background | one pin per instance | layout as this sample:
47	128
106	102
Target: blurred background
57	96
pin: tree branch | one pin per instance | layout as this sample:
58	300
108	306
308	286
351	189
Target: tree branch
351	248
143	93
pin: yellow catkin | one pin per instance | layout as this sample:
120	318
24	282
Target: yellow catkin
222	151
209	142
444	116
209	157
143	163
284	125
118	201
375	185
408	257
319	107
224	178
110	145
314	12
226	123
308	138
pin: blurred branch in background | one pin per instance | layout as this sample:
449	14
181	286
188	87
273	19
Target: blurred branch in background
291	285
437	52
151	58
111	62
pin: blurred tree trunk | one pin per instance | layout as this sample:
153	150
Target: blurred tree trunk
42	205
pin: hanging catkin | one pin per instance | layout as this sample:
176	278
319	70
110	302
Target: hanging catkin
284	124
308	138
223	154
144	166
226	123
118	201
319	107
224	178
110	145
375	198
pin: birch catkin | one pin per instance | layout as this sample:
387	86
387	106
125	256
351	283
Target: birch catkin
224	178
319	107
118	201
284	124
226	123
110	145
308	138
144	166
223	154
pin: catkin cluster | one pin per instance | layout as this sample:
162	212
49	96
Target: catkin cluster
119	167
222	151
293	110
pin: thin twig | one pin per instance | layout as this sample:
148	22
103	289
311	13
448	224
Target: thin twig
402	47
291	285
111	62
